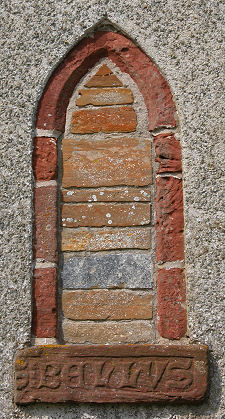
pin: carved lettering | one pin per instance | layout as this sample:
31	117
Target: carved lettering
98	374
179	374
74	374
22	376
50	375
145	373
102	373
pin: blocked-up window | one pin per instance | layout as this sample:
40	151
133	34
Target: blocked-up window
108	232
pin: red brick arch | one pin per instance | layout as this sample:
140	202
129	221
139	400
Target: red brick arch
51	116
128	57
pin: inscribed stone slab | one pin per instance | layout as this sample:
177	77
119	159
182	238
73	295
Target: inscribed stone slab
117	373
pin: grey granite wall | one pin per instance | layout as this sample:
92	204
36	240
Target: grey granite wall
184	38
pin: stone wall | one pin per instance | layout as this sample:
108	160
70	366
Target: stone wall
184	40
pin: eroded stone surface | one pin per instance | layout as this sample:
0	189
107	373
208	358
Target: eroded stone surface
106	195
124	373
168	153
169	219
111	215
104	78
108	332
129	270
45	307
118	119
107	305
102	97
45	158
111	162
77	240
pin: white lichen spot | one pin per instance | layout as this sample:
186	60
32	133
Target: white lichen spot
89	200
69	220
83	216
143	193
94	197
108	215
101	193
63	219
136	198
109	221
131	213
90	205
70	193
133	206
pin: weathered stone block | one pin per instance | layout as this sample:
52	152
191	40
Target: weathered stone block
45	234
106	195
101	97
95	240
45	302
169	219
126	269
168	153
172	313
104	78
117	373
107	305
108	332
111	162
111	215
119	119
45	158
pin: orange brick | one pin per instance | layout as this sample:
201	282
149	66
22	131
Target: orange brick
102	97
106	195
106	305
112	162
104	78
95	240
111	215
121	119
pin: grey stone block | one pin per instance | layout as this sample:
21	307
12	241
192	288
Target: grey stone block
131	270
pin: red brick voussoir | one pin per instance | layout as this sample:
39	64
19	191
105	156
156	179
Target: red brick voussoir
128	57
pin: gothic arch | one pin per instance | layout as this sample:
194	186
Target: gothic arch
168	199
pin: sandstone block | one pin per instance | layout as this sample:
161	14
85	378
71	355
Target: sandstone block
103	97
113	373
111	162
106	305
45	234
45	158
111	332
78	240
119	119
104	78
108	270
172	314
106	195
45	303
169	219
168	153
111	215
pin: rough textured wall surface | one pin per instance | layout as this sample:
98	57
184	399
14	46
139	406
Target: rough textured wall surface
184	38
